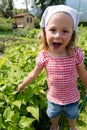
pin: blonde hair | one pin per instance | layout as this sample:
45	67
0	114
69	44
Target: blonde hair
44	45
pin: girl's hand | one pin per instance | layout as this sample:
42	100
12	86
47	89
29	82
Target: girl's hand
20	87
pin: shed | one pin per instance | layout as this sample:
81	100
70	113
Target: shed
24	20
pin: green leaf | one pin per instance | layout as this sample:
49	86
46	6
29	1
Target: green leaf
30	128
25	122
17	103
13	127
15	118
2	61
0	121
1	104
8	114
3	96
34	111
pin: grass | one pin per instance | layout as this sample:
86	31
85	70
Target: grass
6	33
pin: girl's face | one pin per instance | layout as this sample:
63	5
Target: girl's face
59	32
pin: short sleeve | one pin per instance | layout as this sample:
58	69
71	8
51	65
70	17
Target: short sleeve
79	56
41	59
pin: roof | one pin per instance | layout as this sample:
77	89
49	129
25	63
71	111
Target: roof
22	15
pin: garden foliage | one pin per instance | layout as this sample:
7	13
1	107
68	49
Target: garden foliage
20	111
5	24
26	110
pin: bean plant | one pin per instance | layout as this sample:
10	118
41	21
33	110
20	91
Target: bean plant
27	110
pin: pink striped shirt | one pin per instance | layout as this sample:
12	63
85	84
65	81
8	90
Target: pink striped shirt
61	76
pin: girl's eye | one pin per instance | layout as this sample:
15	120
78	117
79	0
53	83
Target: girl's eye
65	31
53	30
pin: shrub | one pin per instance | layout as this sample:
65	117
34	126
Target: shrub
5	24
37	23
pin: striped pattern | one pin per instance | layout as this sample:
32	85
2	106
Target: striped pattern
61	76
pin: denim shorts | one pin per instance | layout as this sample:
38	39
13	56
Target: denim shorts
70	110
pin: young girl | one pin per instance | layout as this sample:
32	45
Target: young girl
63	62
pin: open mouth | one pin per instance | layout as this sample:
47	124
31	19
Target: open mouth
56	44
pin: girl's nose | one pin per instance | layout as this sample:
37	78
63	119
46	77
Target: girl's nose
57	34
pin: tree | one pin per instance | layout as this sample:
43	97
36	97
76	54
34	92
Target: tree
44	3
6	8
26	3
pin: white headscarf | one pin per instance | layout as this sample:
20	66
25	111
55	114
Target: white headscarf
51	10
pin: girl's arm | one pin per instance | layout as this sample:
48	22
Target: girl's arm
83	75
32	75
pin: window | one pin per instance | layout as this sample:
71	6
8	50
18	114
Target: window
30	19
27	19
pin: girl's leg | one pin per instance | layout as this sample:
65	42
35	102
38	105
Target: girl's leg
53	112
72	123
71	112
54	122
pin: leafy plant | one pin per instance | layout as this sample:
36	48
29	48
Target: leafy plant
5	24
27	110
20	110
